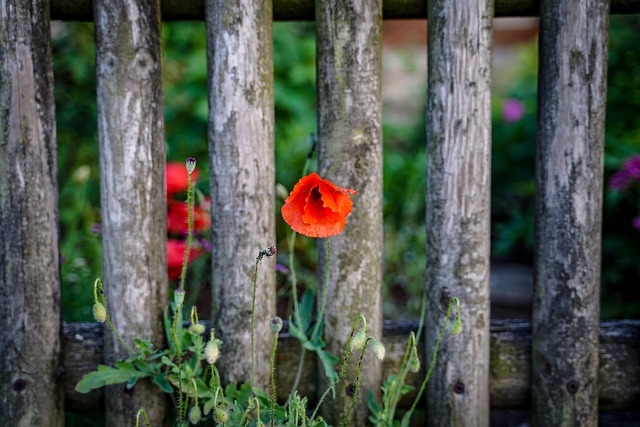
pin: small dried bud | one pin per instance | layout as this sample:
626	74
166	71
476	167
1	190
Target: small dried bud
276	325
358	341
270	250
378	349
197	328
191	165
221	416
195	415
178	296
456	327
99	312
212	352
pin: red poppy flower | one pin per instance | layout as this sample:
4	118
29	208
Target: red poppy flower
175	256
316	207
177	178
177	217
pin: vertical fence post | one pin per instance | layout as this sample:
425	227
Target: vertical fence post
350	154
458	207
569	162
30	323
132	159
242	170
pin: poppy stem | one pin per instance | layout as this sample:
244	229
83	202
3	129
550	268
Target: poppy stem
189	231
355	393
253	320
323	298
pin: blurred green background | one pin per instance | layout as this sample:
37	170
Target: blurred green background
184	70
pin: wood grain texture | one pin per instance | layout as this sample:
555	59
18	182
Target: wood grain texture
348	35
242	159
303	10
30	333
510	368
458	207
132	184
569	168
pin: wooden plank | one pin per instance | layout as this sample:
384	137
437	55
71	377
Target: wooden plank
242	170
132	186
30	339
510	373
458	206
303	10
569	178
349	37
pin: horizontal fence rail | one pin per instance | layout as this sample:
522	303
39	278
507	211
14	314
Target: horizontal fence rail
510	367
303	10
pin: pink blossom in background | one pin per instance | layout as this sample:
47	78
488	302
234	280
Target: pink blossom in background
635	222
512	110
629	172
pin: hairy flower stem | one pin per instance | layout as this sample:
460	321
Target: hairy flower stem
323	298
433	358
179	360
189	230
404	370
253	320
144	415
272	370
98	290
345	359
355	393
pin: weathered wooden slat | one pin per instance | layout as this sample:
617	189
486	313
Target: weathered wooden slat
242	159
510	376
132	184
303	10
30	341
349	40
569	179
458	206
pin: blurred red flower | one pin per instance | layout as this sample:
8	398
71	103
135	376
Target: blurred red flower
177	178
177	217
316	207
175	256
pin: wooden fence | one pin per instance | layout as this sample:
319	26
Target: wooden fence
565	362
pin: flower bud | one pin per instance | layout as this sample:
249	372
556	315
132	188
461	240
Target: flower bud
456	327
276	325
99	312
414	361
358	341
221	416
281	191
212	352
195	415
378	349
178	296
197	328
191	165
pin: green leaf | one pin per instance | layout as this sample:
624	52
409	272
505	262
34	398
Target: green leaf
306	309
106	375
161	381
328	360
297	333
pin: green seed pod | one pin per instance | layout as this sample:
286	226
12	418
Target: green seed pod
358	341
99	312
178	296
195	415
456	327
276	325
191	165
378	349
